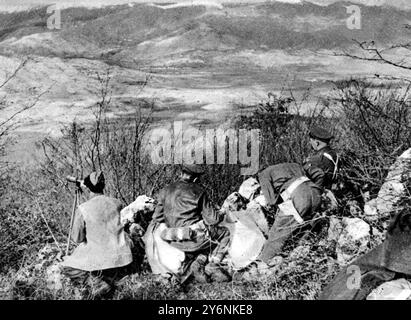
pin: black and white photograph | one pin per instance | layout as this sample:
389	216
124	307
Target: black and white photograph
220	152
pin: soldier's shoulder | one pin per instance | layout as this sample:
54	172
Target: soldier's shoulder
197	189
200	187
107	200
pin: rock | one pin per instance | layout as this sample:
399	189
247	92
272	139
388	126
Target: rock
399	289
234	202
249	189
354	239
352	236
142	205
393	188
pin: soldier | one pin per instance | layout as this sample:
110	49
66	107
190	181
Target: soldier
193	226
324	157
104	249
297	194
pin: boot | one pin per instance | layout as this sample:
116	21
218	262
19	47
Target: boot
197	269
216	273
98	288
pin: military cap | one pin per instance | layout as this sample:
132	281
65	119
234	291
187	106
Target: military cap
320	133
194	169
95	181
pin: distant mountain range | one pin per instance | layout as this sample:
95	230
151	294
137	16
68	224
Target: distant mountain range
9	5
204	57
146	33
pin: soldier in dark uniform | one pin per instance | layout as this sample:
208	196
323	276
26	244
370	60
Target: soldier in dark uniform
288	184
324	157
193	226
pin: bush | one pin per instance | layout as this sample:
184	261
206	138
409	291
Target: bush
374	128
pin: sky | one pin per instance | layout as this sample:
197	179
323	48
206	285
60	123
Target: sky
11	5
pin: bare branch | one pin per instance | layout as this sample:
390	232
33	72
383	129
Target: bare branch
14	73
377	55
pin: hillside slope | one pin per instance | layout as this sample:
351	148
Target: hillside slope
202	58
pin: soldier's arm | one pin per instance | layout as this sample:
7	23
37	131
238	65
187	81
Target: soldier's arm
210	216
78	232
158	215
316	175
313	161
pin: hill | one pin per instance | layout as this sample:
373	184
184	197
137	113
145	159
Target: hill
203	58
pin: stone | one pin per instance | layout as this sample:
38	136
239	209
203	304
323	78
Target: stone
142	205
234	202
353	239
399	289
393	188
249	189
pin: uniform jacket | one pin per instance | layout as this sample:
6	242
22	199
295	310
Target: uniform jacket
183	204
319	160
277	178
306	198
103	241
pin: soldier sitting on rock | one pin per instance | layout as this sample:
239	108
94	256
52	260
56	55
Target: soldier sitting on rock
193	226
104	252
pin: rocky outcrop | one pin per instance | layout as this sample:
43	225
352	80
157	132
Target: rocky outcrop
392	191
352	236
399	289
